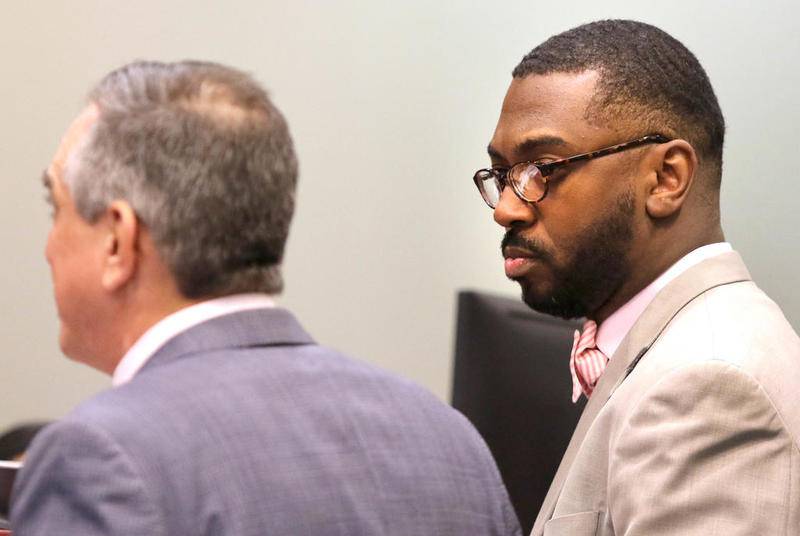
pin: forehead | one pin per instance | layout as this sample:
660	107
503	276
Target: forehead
547	107
72	137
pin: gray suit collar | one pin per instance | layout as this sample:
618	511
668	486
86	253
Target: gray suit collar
244	329
720	270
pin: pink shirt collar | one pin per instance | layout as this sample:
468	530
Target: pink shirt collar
613	330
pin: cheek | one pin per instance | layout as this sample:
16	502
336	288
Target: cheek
55	244
48	248
558	232
64	270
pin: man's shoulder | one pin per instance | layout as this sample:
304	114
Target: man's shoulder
262	345
736	322
293	366
281	415
733	330
272	381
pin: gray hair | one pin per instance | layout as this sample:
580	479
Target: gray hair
207	163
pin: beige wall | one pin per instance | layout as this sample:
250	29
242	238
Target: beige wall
391	105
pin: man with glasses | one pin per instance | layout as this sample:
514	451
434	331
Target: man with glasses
606	168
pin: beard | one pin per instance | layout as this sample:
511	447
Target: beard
595	270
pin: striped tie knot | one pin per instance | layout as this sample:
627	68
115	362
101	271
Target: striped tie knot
587	362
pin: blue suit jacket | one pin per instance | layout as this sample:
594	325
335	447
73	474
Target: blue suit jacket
243	426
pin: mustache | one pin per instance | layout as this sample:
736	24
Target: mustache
512	238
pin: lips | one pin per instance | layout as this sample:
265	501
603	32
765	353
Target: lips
518	261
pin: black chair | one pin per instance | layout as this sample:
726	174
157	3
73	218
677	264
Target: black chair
511	379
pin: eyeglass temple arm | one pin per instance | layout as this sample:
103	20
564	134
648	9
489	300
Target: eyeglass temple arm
548	168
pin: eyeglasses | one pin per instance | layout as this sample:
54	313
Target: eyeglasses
530	179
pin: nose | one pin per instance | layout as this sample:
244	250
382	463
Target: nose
511	211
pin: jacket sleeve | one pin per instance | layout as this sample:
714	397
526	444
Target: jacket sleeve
77	480
704	452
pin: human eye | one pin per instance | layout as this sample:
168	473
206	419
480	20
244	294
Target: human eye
546	159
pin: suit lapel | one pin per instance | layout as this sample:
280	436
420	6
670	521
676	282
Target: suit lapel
719	270
244	329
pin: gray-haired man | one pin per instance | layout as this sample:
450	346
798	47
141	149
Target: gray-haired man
172	193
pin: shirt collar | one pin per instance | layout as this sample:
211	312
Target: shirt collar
170	326
611	332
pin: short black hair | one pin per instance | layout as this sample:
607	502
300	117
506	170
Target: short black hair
645	74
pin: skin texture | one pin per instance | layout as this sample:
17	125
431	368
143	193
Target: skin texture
109	282
608	226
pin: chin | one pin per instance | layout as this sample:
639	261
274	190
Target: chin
558	302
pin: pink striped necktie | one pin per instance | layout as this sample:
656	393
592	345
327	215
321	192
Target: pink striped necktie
586	362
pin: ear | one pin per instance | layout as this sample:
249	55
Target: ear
675	166
121	250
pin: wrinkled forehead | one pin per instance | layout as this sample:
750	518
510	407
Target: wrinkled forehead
76	132
551	106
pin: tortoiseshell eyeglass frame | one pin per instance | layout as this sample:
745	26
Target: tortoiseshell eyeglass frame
546	169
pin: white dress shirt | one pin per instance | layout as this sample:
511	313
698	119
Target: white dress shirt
170	326
611	332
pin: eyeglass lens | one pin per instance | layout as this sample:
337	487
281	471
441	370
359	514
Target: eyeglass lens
526	179
490	186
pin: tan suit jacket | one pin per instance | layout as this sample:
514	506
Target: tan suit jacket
694	427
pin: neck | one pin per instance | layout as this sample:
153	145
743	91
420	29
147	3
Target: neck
653	264
135	319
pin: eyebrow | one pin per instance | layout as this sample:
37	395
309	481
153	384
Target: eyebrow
528	146
47	182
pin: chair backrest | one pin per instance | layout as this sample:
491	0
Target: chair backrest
511	379
8	472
